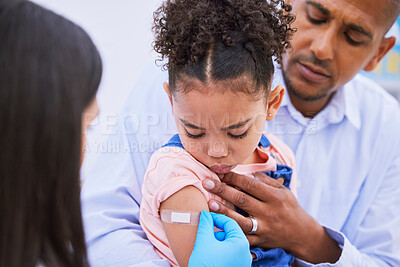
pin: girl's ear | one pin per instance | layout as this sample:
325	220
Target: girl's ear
166	89
274	101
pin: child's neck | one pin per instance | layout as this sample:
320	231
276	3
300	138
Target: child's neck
254	158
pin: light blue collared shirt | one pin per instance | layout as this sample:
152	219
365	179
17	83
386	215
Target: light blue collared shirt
348	168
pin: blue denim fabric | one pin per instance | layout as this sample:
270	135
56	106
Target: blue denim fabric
275	257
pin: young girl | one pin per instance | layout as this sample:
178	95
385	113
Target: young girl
220	73
50	71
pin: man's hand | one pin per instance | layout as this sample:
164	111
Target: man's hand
282	222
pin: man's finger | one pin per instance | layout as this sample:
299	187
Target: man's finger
256	187
244	223
254	239
232	195
262	177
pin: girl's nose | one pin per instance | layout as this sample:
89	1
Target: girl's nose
217	150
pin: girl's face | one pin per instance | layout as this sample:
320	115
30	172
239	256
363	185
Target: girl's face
221	129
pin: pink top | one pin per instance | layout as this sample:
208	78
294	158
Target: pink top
172	168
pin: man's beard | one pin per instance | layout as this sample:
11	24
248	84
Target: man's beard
320	94
297	93
312	95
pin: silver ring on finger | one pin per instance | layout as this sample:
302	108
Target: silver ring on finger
255	225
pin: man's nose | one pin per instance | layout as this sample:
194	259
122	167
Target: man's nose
217	149
323	44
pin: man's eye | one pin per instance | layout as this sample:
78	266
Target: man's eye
351	40
194	136
315	20
240	136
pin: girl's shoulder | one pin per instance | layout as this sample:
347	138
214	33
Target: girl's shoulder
281	151
170	170
172	157
170	164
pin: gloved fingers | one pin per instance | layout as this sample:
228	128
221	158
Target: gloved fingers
220	235
205	230
228	225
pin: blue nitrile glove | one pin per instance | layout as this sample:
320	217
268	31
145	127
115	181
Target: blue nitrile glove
225	248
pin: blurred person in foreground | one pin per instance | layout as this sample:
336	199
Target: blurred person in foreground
50	71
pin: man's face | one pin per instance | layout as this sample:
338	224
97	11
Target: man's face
334	41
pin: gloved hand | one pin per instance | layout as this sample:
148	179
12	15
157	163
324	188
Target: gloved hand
228	247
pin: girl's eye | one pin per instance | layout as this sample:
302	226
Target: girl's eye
194	136
240	136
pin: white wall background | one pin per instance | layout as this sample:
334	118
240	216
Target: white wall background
121	29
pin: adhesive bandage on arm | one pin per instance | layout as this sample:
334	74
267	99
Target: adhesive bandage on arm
180	217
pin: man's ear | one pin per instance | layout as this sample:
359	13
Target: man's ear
384	48
166	89
274	101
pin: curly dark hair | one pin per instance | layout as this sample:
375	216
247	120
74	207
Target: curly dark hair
222	39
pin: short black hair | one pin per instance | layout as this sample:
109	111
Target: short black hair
219	40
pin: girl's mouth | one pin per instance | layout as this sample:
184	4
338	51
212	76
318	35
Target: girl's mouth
221	168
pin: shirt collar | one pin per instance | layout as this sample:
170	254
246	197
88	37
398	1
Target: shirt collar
352	109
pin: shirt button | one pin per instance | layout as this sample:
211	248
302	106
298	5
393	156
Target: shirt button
311	128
